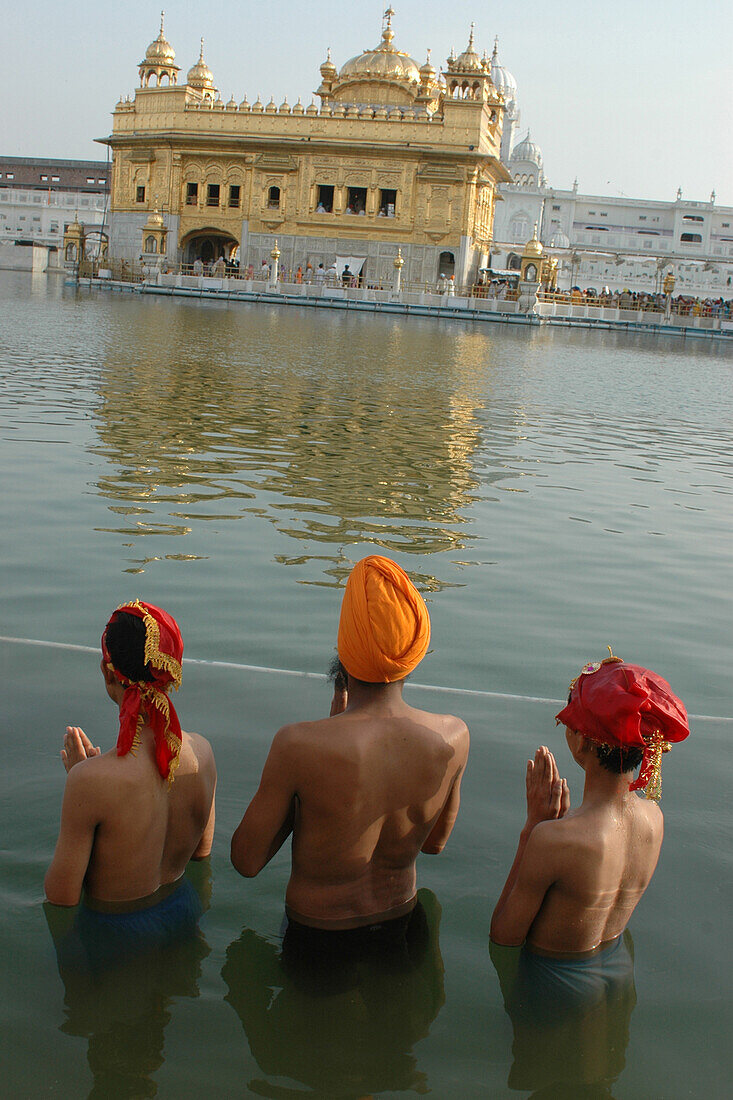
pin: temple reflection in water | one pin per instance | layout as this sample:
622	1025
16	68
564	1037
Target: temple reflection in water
338	430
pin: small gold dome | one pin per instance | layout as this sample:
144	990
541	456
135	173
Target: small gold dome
533	247
200	75
469	61
328	69
160	50
427	72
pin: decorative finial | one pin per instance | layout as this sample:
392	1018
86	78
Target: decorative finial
387	32
470	37
162	17
328	55
201	53
495	54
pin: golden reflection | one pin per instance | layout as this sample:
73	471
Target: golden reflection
337	430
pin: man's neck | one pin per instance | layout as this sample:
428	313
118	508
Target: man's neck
603	787
383	697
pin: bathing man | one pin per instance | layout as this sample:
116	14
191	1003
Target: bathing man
367	789
133	817
578	875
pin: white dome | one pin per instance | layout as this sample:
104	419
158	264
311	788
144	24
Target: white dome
560	239
504	82
527	152
502	78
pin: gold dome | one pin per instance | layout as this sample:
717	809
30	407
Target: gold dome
533	247
469	61
200	76
328	69
427	72
382	63
160	51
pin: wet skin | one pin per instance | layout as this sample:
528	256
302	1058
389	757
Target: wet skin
578	874
363	792
125	832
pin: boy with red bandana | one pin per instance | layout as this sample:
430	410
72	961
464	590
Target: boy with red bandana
579	874
133	817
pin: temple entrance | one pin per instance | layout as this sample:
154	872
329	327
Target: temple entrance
208	245
446	264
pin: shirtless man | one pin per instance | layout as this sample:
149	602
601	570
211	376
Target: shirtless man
578	875
133	817
367	789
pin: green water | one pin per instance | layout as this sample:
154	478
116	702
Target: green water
550	492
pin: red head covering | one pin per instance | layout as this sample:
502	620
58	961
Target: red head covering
384	629
163	656
626	706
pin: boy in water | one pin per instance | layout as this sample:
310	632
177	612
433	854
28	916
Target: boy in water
133	817
578	875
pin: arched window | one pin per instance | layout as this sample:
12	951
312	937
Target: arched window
446	264
691	238
150	245
71	252
514	262
519	229
273	198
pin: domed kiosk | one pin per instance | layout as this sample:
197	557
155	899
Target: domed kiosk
159	64
525	164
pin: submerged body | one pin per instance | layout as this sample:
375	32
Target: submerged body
363	792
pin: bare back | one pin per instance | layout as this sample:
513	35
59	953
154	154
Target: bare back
125	831
370	792
603	857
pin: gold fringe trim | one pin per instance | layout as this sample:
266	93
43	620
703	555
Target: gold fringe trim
659	746
152	653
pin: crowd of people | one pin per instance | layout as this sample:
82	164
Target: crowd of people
684	305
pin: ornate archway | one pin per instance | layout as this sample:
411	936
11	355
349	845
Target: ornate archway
208	245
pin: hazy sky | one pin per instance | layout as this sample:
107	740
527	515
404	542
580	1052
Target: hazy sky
633	97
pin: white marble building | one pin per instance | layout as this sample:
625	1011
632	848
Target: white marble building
39	198
602	241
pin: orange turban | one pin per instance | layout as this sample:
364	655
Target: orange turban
384	629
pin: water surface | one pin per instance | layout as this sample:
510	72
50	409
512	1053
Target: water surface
551	492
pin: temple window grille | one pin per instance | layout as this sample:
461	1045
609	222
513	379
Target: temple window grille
212	194
192	194
234	195
273	198
140	194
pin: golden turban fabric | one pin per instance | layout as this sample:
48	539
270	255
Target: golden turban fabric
384	629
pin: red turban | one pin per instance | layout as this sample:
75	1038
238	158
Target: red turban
384	629
163	656
626	706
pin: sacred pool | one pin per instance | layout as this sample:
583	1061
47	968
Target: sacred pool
550	492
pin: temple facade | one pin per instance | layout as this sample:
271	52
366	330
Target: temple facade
394	156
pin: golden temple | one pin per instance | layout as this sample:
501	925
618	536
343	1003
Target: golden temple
394	156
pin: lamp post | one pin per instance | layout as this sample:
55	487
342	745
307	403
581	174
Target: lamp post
275	254
399	263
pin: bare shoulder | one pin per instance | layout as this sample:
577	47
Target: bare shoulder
563	837
201	748
453	729
649	817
